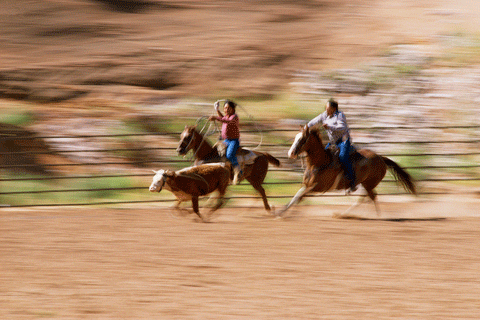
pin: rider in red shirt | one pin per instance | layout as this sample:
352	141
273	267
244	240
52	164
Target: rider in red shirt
230	134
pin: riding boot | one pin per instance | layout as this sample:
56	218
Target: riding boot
237	174
352	187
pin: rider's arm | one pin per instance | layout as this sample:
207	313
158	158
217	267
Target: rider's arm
233	118
230	119
216	106
318	119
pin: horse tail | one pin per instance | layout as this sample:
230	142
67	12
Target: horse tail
272	160
401	175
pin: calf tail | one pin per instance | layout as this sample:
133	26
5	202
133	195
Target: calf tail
401	175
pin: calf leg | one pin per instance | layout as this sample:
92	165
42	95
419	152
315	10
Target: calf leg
212	197
179	211
222	189
177	203
195	206
218	204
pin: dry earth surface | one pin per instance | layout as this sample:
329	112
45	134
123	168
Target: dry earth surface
419	260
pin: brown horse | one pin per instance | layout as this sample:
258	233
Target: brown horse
255	173
323	172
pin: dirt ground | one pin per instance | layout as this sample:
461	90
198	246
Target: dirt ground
420	260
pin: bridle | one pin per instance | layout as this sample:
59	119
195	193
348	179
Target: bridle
187	147
300	145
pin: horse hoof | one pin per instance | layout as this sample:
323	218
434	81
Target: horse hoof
337	215
271	211
280	213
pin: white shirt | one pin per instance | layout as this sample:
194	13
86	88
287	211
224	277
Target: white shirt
337	127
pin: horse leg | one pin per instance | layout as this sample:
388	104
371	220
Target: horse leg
356	204
258	186
373	195
298	196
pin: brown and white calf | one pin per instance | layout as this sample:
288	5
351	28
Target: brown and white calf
190	183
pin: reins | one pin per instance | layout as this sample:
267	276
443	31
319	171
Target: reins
210	131
255	125
202	135
320	168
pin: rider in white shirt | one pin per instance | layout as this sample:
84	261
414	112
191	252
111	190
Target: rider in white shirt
335	123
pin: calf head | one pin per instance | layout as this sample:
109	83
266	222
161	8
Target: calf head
159	179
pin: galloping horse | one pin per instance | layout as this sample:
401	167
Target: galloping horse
324	173
191	139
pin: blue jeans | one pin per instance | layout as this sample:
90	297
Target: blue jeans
231	153
344	147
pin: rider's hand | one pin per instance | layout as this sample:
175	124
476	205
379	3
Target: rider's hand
325	126
216	105
212	118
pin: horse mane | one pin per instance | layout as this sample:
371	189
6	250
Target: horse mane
212	154
318	135
195	130
316	132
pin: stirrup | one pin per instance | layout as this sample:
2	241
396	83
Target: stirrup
351	190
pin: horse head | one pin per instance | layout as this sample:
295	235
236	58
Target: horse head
300	142
187	140
307	140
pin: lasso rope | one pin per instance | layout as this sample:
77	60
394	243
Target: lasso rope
202	135
250	118
212	128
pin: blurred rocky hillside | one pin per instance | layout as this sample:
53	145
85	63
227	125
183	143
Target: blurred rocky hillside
392	63
148	50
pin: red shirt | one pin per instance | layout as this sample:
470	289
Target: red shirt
230	127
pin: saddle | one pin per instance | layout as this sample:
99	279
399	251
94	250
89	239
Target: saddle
335	151
353	156
244	156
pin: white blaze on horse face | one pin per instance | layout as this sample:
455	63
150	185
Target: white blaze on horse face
182	146
158	181
183	135
294	146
